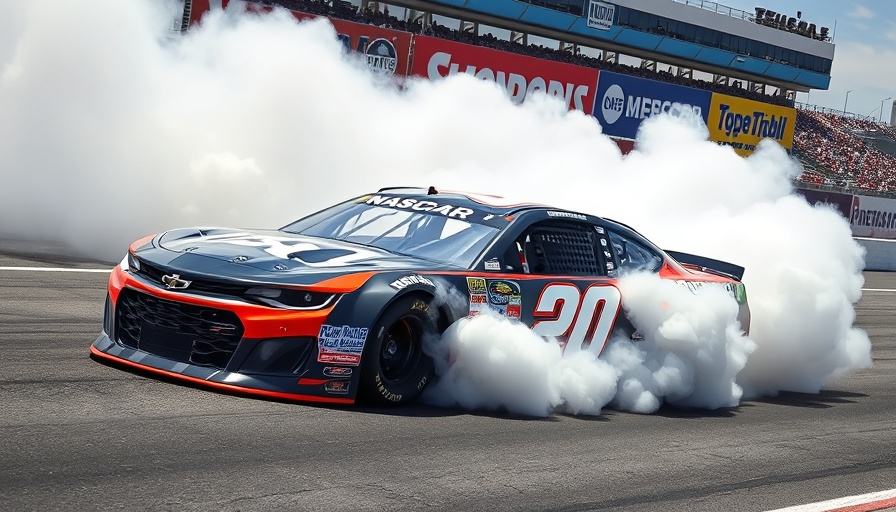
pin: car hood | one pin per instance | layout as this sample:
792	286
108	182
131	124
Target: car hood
270	256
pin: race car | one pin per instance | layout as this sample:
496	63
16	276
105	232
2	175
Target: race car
336	306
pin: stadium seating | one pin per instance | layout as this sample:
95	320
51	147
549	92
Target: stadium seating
347	11
845	151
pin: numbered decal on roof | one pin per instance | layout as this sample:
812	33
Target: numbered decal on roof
583	321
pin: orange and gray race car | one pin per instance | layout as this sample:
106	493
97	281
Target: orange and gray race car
336	306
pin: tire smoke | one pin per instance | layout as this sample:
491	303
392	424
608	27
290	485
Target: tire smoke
111	129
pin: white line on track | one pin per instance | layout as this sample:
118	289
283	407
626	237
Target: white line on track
862	502
52	269
878	290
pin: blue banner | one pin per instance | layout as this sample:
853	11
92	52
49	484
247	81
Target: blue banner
623	101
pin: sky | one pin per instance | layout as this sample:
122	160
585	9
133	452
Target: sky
865	54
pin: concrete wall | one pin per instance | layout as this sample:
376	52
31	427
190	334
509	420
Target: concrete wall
881	254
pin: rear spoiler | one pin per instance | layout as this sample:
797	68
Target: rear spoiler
709	264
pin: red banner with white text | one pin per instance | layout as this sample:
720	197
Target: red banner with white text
519	75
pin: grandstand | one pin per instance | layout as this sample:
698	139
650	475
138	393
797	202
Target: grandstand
730	51
724	54
843	151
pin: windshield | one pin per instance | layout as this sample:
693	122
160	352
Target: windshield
422	234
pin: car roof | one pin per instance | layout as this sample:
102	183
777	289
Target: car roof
487	203
493	204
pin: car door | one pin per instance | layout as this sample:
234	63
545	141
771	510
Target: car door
558	278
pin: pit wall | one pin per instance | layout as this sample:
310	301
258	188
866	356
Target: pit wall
872	221
880	254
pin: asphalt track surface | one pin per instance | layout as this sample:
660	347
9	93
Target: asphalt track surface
76	434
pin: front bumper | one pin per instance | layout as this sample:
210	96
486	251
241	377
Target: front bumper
269	353
271	387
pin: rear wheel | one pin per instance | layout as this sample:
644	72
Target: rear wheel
395	368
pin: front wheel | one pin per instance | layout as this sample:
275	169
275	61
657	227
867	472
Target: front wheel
395	368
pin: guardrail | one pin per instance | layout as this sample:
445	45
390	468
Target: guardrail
719	8
841	113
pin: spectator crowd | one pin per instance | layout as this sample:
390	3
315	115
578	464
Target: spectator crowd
845	151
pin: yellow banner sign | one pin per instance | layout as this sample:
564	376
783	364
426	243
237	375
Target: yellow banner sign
742	123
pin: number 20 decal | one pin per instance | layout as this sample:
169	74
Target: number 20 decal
584	320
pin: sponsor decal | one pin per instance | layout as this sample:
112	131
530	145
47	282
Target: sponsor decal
520	76
476	284
388	395
493	264
502	297
736	290
341	344
404	282
600	15
337	371
693	286
499	292
407	203
625	101
742	123
567	215
337	387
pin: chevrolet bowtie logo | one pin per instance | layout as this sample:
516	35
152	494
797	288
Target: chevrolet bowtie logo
174	282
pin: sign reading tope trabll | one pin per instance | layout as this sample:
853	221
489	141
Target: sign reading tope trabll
742	123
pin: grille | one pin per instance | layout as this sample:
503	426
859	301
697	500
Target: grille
173	330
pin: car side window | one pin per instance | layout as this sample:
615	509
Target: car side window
632	255
562	248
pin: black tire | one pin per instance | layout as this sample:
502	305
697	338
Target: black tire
395	369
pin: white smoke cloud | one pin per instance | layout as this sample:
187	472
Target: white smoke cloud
110	130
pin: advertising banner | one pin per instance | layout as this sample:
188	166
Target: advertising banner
600	15
742	123
387	51
841	202
519	75
873	217
624	101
